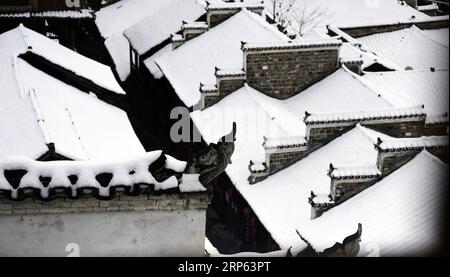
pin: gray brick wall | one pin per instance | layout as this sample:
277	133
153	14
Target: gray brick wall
169	202
280	160
283	74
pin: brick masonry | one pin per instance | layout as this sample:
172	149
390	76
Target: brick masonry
63	205
280	160
215	19
282	74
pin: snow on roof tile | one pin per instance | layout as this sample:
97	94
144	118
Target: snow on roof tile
399	215
409	47
294	44
412	143
345	172
392	113
50	111
284	142
125	173
155	28
220	5
196	60
421	87
147	23
281	201
53	52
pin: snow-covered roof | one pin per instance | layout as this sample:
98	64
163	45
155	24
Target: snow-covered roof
23	40
410	47
420	87
361	116
355	13
346	172
147	24
76	175
441	35
422	143
399	215
194	62
37	109
157	27
281	200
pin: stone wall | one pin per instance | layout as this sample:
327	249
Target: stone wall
282	74
362	31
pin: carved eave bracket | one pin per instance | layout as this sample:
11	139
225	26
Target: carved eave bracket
212	161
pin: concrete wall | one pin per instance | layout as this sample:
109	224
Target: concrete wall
146	233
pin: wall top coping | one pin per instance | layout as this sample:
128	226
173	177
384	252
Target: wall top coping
220	6
292	44
353	172
389	114
408	144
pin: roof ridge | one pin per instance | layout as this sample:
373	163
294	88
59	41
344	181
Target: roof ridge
259	19
428	36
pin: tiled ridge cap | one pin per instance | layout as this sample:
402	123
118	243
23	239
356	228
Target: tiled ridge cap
394	113
292	44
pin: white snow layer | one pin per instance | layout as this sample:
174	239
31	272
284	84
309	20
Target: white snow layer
195	61
37	109
399	215
410	47
137	18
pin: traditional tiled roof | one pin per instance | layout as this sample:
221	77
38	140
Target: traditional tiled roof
388	114
399	214
354	172
23	177
285	142
410	47
234	5
194	25
295	44
228	73
415	144
427	87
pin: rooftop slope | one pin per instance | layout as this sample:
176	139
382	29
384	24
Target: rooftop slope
37	109
409	47
399	215
195	61
420	87
137	18
281	201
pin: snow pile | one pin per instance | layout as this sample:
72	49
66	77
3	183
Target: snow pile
399	215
